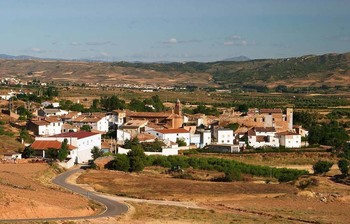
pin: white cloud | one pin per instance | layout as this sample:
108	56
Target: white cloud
237	40
35	49
172	41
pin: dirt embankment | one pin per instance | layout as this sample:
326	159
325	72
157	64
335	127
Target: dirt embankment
24	195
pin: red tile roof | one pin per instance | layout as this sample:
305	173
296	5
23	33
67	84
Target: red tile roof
172	131
149	114
287	133
265	129
79	135
270	111
45	145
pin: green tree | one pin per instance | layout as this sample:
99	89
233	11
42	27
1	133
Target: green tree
52	153
137	158
27	152
86	127
77	107
155	146
121	162
138	105
24	134
128	144
233	126
23	112
112	103
243	108
181	142
96	152
322	167
95	107
63	151
343	165
305	118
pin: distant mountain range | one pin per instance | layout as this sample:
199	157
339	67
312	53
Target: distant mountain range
239	58
19	57
27	57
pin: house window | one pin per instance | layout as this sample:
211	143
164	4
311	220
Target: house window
228	141
254	119
263	119
222	141
273	119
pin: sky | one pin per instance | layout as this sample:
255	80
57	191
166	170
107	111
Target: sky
173	30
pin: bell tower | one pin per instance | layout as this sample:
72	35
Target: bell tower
178	107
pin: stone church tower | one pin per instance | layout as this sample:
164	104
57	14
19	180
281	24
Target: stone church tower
178	108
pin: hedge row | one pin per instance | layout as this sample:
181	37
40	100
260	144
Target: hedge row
224	165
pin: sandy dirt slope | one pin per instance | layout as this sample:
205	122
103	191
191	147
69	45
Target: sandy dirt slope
23	195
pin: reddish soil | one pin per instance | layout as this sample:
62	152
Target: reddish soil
23	195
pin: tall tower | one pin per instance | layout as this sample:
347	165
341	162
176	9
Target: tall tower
290	118
178	108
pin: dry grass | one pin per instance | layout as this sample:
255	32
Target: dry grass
242	202
22	195
147	213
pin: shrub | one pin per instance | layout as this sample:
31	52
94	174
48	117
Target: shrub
137	158
343	165
96	152
322	167
120	162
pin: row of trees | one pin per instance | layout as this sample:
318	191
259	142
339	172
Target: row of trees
202	109
155	146
135	161
107	103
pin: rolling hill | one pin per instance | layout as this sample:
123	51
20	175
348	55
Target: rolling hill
310	70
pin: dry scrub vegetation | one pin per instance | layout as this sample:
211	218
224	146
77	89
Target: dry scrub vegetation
25	192
318	200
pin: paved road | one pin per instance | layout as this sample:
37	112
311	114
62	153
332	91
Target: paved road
112	207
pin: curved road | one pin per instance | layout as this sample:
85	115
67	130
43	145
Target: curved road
112	207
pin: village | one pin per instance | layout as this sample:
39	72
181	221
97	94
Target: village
176	131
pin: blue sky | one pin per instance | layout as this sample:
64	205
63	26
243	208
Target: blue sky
173	30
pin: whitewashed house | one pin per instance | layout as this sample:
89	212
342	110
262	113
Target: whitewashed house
290	139
122	136
80	143
172	134
97	122
51	112
205	138
48	103
134	127
224	136
263	137
45	126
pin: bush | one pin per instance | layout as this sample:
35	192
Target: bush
322	167
120	162
231	168
343	165
137	158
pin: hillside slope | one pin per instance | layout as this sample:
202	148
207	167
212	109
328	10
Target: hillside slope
329	69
